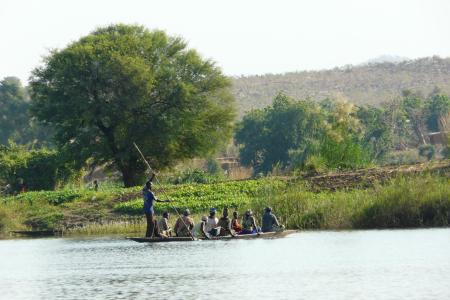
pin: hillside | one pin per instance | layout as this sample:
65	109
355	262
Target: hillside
371	83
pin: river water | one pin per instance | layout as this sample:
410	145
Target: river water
378	264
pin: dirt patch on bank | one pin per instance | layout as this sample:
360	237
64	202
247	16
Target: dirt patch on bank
365	178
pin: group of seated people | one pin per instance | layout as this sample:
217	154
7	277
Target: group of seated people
212	226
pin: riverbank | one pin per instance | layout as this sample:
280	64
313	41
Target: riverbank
422	200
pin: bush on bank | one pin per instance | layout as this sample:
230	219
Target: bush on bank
36	169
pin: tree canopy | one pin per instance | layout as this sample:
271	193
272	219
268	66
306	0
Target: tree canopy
295	134
16	124
123	84
13	109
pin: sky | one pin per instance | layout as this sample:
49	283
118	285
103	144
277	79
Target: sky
243	37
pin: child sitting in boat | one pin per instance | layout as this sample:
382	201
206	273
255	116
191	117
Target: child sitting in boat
163	224
235	224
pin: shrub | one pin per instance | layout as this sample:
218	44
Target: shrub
213	167
315	164
36	169
427	151
47	221
194	176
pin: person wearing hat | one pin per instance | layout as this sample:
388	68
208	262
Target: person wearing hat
149	200
270	221
249	223
199	228
184	224
212	222
225	224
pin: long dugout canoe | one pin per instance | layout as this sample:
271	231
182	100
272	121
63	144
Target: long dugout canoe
265	235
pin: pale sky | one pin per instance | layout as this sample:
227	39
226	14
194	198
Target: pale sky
244	37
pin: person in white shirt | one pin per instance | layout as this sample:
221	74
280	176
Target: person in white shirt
212	222
199	229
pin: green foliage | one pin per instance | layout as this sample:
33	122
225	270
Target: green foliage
268	136
445	152
427	151
378	136
408	203
315	164
125	83
404	157
438	109
402	202
415	115
201	197
213	167
194	176
50	197
36	169
289	132
45	221
16	124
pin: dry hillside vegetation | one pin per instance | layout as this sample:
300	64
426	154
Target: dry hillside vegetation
364	84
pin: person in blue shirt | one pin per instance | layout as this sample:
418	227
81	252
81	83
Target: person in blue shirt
149	200
270	222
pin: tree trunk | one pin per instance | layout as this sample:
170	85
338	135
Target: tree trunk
129	176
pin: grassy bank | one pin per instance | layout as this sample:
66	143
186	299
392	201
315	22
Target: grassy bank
403	202
419	201
112	210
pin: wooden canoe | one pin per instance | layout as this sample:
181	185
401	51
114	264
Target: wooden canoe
266	235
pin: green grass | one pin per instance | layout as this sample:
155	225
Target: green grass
420	201
201	197
87	211
404	202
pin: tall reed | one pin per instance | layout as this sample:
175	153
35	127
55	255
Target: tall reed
420	201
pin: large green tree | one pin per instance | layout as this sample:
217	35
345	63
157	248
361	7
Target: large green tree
292	133
123	84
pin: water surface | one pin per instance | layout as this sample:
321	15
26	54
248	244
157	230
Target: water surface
382	264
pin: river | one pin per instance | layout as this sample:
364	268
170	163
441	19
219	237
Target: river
375	264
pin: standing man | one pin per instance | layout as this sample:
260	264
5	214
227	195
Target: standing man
149	199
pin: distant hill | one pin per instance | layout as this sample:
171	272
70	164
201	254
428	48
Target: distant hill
387	59
369	83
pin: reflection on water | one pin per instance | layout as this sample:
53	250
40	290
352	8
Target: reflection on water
400	264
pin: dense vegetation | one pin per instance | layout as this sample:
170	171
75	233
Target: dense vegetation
311	136
23	169
66	209
370	84
293	134
16	123
423	201
403	202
